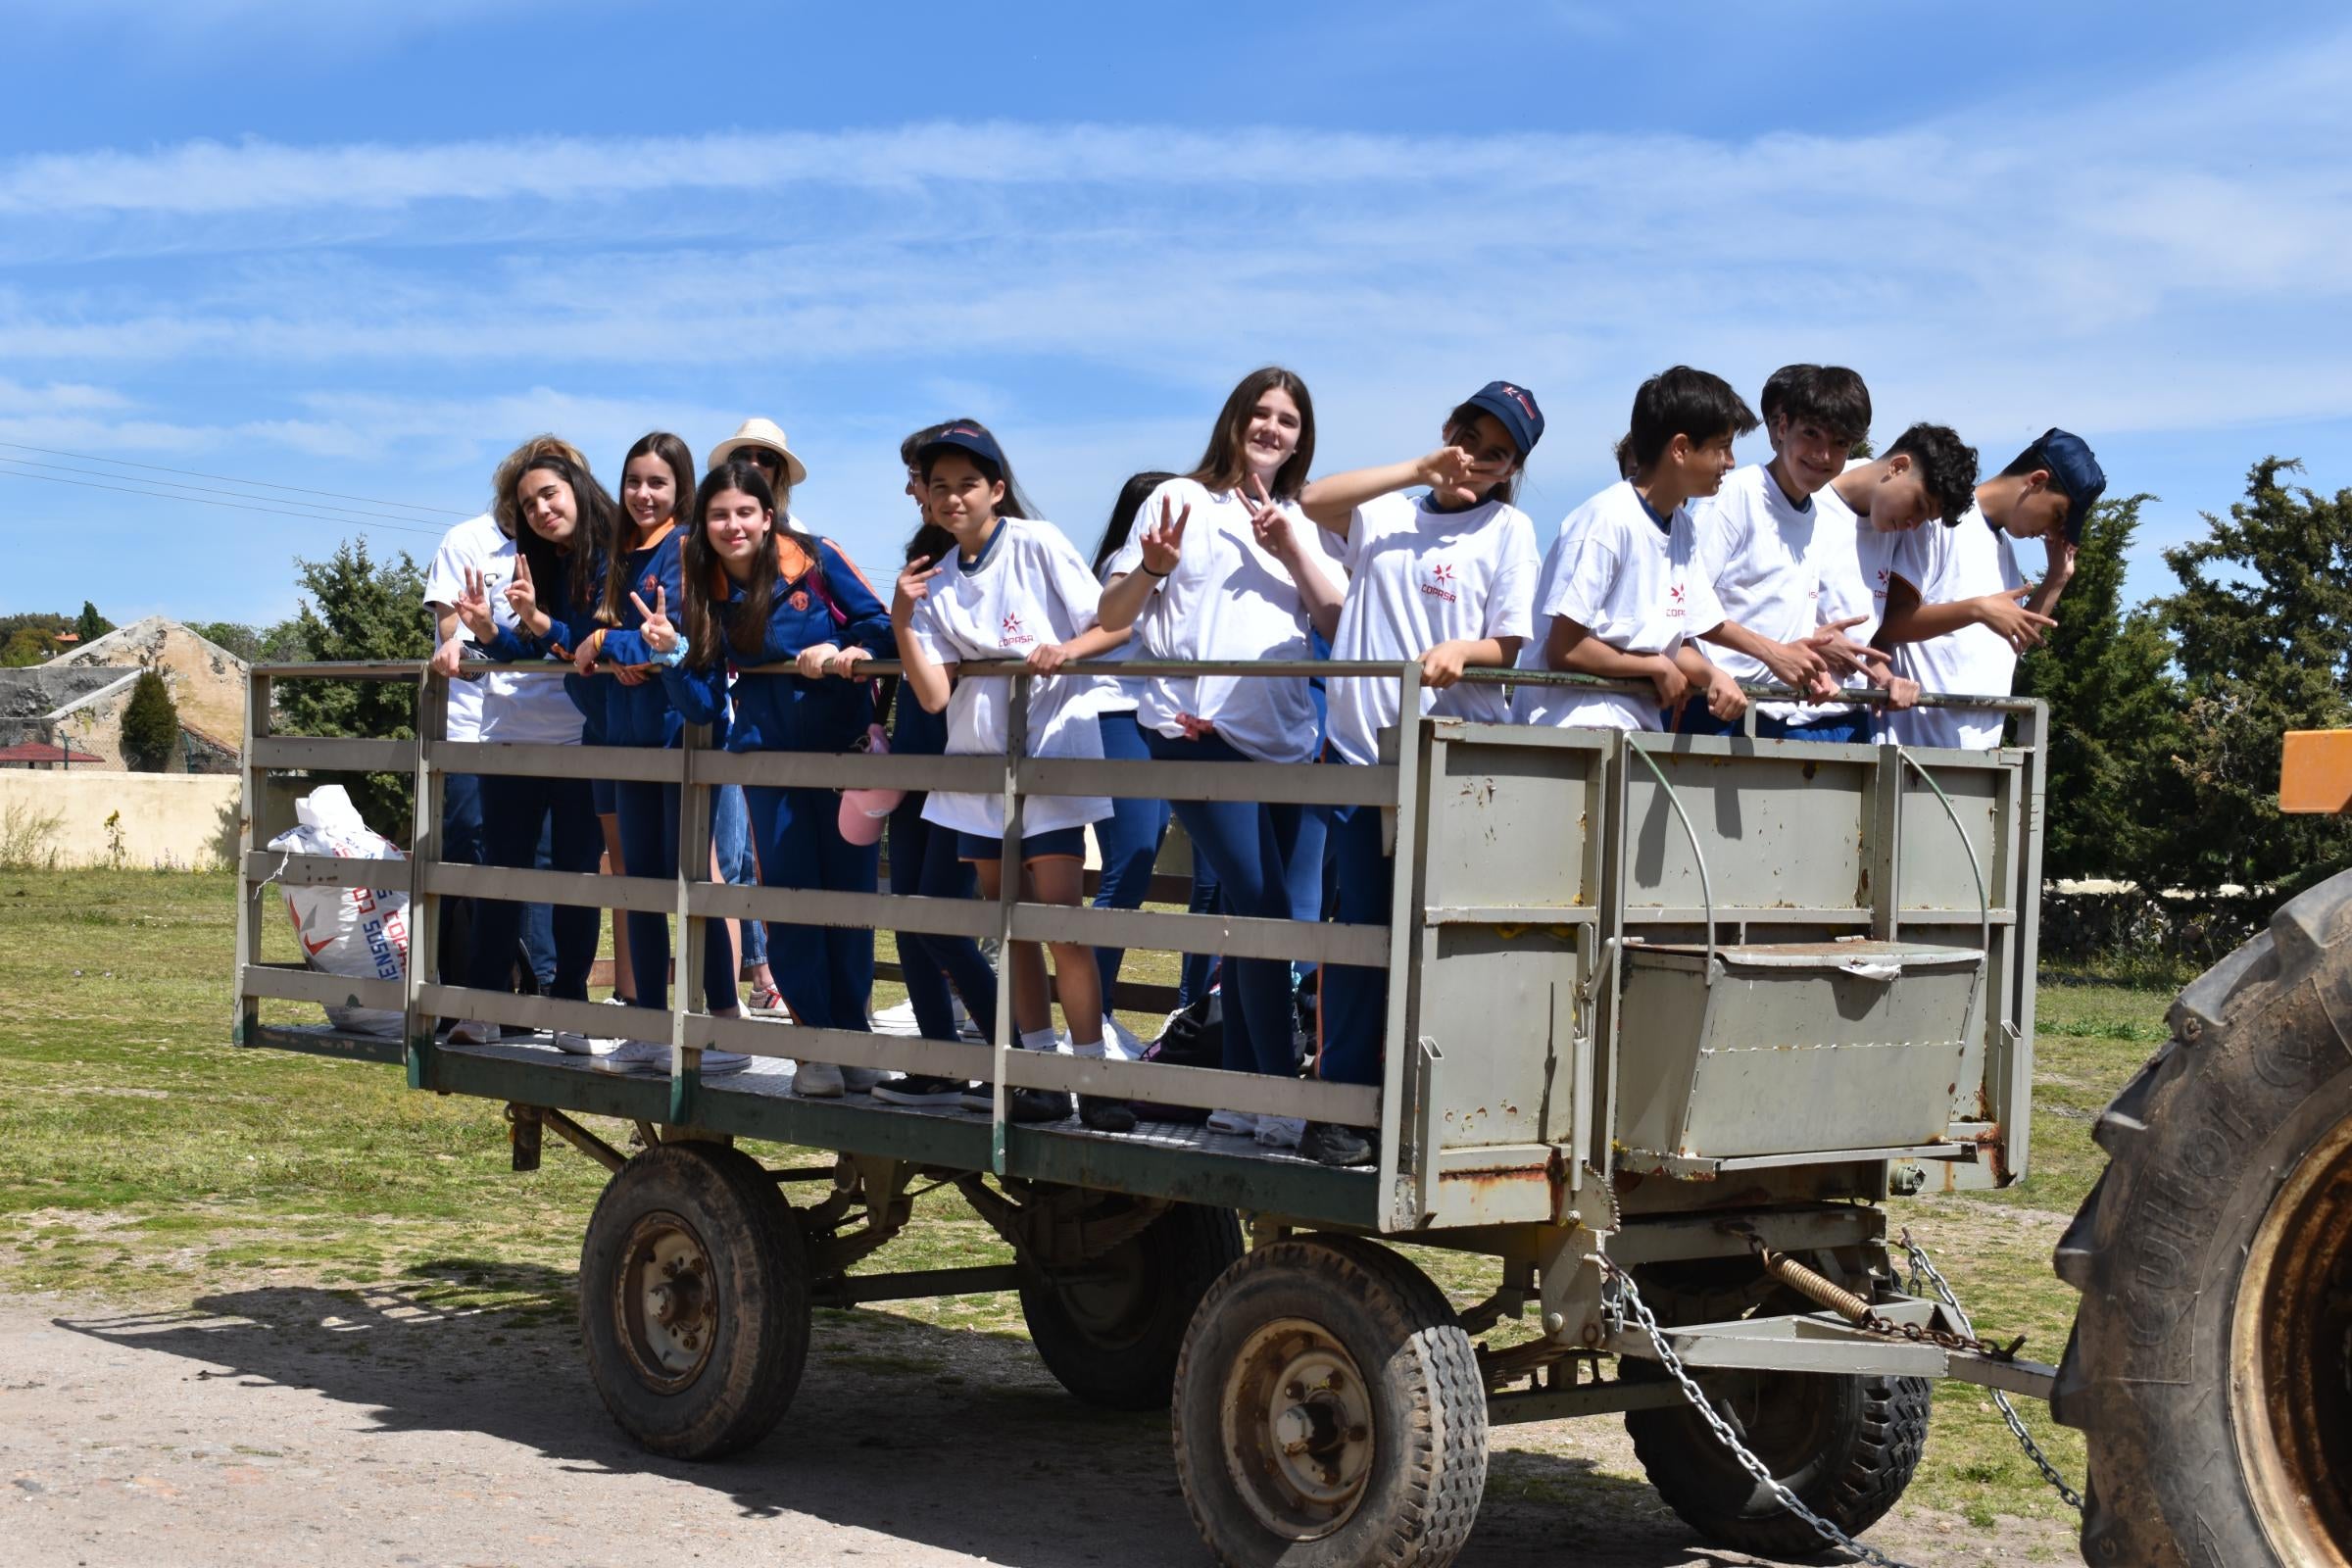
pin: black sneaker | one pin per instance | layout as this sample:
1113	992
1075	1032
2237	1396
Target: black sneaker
1021	1104
1329	1144
919	1091
1106	1116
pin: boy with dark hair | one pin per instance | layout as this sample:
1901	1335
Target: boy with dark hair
1623	591
1954	615
1769	557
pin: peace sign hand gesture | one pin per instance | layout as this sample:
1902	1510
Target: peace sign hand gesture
522	597
1162	544
473	607
661	637
1269	522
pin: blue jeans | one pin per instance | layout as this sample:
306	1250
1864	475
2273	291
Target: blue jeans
648	848
825	972
731	831
1199	969
923	862
1851	725
518	817
462	843
1129	839
1354	1002
1268	860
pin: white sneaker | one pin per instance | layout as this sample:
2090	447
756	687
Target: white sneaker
1238	1122
473	1032
1119	1042
572	1043
653	1056
898	1020
817	1080
1280	1132
860	1080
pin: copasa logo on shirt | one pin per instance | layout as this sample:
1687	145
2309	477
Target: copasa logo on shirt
1674	600
1010	633
1880	592
1442	582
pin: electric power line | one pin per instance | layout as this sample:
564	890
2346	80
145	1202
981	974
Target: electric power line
264	484
169	486
200	501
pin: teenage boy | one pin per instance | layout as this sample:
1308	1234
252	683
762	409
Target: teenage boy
1928	474
1958	609
1623	591
1769	552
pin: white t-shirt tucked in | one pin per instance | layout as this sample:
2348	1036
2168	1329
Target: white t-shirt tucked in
1638	587
1029	588
1418	578
1945	564
1226	599
509	709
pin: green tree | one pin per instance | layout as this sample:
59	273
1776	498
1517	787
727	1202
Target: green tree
90	625
358	608
27	644
2262	632
234	635
2115	715
150	725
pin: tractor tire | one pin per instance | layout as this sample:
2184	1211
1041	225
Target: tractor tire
1847	1446
694	1301
1112	1337
2210	1367
1329	1413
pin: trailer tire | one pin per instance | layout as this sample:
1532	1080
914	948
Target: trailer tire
2210	1367
1340	1345
694	1300
1846	1446
1114	1341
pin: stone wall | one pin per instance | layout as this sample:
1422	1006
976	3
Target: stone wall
162	820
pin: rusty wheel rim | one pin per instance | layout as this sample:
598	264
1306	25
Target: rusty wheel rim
665	1302
2290	1355
1299	1430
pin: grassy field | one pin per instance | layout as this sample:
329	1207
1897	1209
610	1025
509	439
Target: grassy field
145	1160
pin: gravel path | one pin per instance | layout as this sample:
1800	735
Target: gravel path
286	1424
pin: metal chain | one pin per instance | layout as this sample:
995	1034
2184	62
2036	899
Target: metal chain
1921	1264
1723	1431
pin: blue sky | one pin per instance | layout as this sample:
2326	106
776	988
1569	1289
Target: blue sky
365	255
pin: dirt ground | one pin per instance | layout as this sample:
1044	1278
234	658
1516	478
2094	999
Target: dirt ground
282	1425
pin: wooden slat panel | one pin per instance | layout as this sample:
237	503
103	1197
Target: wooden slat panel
449	879
336	754
865	912
642	764
325	870
970	775
295	983
1302	784
1231	935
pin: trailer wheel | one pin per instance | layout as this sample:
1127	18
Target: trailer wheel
1329	1411
694	1300
1112	1333
1846	1446
2210	1367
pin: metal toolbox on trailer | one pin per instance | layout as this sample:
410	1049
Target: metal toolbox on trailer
1753	1051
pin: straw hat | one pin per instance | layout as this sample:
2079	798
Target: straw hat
757	432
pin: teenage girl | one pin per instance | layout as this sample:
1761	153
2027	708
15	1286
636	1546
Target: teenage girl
565	516
645	567
1446	577
922	854
1214	575
1129	839
759	592
1011	588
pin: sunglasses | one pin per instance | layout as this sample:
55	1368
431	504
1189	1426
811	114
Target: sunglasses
761	458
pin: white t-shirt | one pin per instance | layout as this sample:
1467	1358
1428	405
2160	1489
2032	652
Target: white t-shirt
1227	599
1029	587
1418	578
1121	695
509	709
1854	575
1945	564
1638	587
1767	557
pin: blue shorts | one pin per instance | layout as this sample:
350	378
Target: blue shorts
1062	841
607	795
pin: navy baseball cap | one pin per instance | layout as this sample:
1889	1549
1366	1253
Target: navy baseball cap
1515	407
964	436
2076	473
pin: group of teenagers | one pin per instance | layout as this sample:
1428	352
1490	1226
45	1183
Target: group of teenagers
1856	584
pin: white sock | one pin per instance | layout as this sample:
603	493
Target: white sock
1088	1047
1041	1038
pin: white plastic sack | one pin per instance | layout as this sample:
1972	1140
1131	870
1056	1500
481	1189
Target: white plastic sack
359	933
